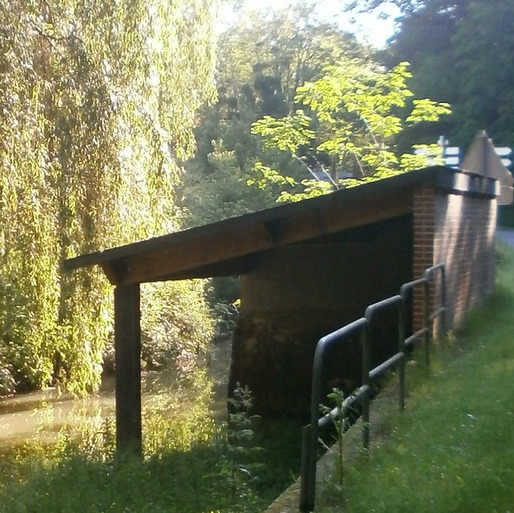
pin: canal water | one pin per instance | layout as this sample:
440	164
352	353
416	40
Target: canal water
43	413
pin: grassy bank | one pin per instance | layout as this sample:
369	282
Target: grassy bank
191	465
452	450
178	481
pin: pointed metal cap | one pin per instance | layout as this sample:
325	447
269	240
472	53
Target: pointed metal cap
481	158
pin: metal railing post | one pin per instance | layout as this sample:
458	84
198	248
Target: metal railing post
402	319
308	478
366	360
442	324
426	323
366	354
311	432
306	492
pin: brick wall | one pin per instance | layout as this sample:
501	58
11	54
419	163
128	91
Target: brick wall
459	231
423	255
465	242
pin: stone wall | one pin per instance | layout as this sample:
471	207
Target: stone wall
296	295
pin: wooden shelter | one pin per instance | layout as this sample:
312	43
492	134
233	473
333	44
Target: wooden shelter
420	201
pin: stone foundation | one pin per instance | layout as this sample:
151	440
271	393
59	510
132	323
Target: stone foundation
296	295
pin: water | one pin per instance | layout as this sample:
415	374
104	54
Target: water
45	412
24	415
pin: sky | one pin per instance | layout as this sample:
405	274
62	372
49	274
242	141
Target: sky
367	27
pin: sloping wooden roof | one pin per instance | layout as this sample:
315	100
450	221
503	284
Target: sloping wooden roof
229	247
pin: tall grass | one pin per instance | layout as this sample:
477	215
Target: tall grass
452	450
180	473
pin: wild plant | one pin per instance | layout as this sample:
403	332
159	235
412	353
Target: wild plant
178	417
340	423
236	470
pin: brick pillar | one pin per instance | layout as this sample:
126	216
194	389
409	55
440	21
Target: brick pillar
424	233
464	242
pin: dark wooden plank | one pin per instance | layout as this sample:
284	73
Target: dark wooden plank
110	271
358	195
213	250
339	216
198	253
127	345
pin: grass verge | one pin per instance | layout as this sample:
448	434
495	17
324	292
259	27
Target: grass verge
452	450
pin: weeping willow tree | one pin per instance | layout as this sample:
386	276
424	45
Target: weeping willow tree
97	107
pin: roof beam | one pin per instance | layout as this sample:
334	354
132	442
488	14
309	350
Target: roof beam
208	255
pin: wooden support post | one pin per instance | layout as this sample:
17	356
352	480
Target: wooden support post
127	346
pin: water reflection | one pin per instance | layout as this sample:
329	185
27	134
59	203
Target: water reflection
44	413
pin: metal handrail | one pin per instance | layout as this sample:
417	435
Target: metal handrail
362	327
441	310
311	431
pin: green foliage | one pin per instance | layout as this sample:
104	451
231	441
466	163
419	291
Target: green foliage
223	296
426	154
236	470
98	105
460	52
172	483
357	109
341	425
263	59
275	52
7	383
176	325
483	46
427	110
286	133
176	415
219	190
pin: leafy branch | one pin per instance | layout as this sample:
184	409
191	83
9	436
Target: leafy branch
352	115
